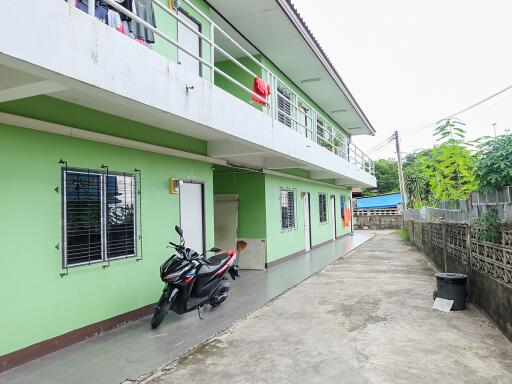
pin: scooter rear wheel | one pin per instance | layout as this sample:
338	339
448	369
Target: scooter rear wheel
221	293
162	308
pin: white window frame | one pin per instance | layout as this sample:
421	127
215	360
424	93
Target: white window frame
103	196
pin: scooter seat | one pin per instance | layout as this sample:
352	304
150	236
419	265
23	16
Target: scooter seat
214	263
218	259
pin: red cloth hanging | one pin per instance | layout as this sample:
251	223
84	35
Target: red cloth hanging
346	219
262	89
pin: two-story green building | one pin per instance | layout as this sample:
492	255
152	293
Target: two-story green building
119	120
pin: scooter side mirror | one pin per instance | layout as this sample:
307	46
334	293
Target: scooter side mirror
215	249
178	230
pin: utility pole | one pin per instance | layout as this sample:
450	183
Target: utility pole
400	171
494	126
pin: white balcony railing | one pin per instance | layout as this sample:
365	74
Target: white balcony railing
283	105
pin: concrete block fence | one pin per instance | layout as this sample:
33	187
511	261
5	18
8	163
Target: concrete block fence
377	222
456	247
465	211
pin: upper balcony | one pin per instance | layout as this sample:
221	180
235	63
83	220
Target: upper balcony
201	84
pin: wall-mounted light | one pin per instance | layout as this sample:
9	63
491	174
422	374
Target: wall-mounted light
339	111
174	186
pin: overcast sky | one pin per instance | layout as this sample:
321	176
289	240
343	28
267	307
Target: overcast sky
409	62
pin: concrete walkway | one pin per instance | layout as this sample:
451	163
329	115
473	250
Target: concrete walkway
134	350
365	319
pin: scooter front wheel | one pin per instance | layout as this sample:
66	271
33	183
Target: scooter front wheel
162	308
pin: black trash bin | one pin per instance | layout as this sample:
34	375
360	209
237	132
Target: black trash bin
452	286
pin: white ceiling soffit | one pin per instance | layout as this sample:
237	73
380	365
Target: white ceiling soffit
276	29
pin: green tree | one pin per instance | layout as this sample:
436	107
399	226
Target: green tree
446	171
417	186
386	173
494	163
450	130
451	172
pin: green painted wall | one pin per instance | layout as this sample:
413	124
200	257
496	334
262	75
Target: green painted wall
169	26
259	212
281	243
37	303
240	75
56	111
250	188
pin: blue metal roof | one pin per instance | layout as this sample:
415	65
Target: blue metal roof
390	200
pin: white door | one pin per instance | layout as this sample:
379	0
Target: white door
191	215
226	221
307	223
189	40
333	214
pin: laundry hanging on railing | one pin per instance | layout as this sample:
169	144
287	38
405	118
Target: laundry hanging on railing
128	4
114	20
122	23
262	89
144	9
100	9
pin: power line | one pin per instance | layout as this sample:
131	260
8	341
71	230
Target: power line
380	145
425	126
378	148
472	106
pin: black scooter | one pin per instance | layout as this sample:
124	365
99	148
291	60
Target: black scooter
192	280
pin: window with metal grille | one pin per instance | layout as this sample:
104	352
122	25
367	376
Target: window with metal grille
337	143
322	207
99	216
304	116
320	131
287	199
284	105
120	216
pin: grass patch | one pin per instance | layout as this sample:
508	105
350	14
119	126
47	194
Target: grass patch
403	234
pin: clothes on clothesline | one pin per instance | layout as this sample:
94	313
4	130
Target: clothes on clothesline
128	4
144	9
121	22
114	21
262	89
100	10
